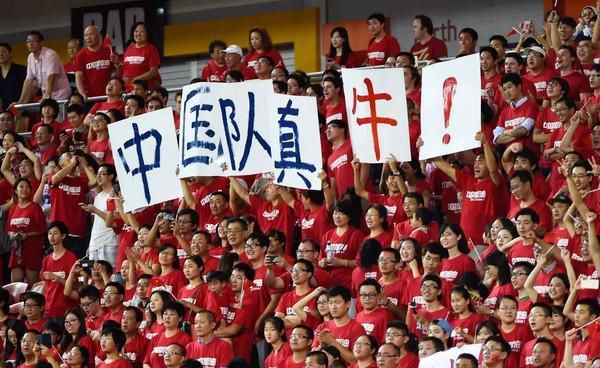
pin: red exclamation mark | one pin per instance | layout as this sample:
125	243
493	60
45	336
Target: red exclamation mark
448	96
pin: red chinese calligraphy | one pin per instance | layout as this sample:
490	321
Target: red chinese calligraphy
373	119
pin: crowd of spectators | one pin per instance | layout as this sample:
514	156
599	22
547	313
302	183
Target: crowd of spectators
386	265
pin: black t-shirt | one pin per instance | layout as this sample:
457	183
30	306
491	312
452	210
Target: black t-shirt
12	84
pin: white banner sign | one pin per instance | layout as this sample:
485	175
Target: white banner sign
450	107
144	147
377	115
297	158
225	123
447	359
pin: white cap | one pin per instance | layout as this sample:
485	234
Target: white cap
537	49
234	49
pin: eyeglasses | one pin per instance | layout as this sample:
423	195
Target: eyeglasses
428	287
368	295
393	334
169	353
30	305
86	305
508	309
488	349
385	261
70	321
521	273
234	231
167	253
385	355
251	246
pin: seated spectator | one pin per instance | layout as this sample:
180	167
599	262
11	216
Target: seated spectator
381	45
114	90
134	105
263	67
233	60
340	53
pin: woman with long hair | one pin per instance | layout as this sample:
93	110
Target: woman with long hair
260	44
497	279
26	227
76	334
368	267
463	320
274	332
340	53
454	240
154	315
141	59
172	317
412	84
193	295
415	180
11	353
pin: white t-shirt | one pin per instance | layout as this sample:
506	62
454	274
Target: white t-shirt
102	236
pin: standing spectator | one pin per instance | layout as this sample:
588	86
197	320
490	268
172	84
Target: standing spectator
99	147
208	349
141	59
12	77
381	46
301	340
339	163
579	86
426	46
467	41
93	64
172	317
73	47
103	240
340	52
260	44
44	71
136	345
538	71
25	225
111	343
215	68
49	111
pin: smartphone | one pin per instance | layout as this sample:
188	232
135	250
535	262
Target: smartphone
592	284
270	258
45	340
117	188
168	216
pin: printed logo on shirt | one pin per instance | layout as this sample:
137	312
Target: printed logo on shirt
214	78
394	301
455	207
258	284
167	288
211	228
208	362
449	275
529	360
419	300
523	259
342	160
308	224
99	155
289	311
515	345
542	289
252	63
134	59
476	195
336	247
20	221
512	123
98	64
181	253
150	335
159	350
271	215
69	189
189	300
130	356
540	86
557	143
344	342
224	311
61	274
552	125
447	184
205	200
370	275
580	358
368	327
391	210
521	317
377	55
562	243
337	116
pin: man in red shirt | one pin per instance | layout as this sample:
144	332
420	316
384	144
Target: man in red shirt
521	186
33	310
538	72
215	68
55	268
45	148
112	342
113	90
490	78
514	334
341	331
233	61
579	87
582	348
93	64
467	41
483	197
426	46
381	45
208	349
539	322
336	106
136	345
516	121
302	272
301	340
339	163
89	301
419	316
113	296
373	317
573	135
397	334
527	221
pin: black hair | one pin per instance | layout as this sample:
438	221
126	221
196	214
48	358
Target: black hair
592	305
138	99
512	298
244	268
166	246
116	333
214	44
433	278
571	50
77	109
308	330
426	22
377	16
524	176
39	35
535	218
472	360
339	290
500	38
410	57
262	240
424	215
192	213
346	49
492	51
176	307
309	266
516	56
435	248
191	363
437	343
67	339
370	282
278	324
320	357
511	78
568	102
89	291
216	276
120	288
139	315
527	154
490	325
51	103
568	21
462	244
277	235
142	83
505	347
238	220
473	33
19	328
38	298
416	196
499	260
6	45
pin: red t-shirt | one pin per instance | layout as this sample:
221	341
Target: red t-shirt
277	358
541	208
416	327
339	166
345	335
139	60
27	219
521	253
313	224
540	82
393	205
215	354
173	281
274	217
497	291
581	140
288	300
578	84
516	338
337	112
453	269
119	363
159	344
359	275
244	317
212	72
512	117
443	187
135	350
105	106
56	302
527	352
350	62
101	150
412	292
379	51
65	197
436	48
467	325
409	360
346	247
202	195
251	59
375	322
96	67
481	203
195	296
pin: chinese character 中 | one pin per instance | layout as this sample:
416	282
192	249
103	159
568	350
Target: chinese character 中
233	134
373	119
289	146
143	168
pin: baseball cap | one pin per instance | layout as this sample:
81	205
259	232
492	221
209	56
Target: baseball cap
561	198
537	49
234	49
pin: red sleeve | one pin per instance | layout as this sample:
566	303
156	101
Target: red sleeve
153	342
462	179
79	61
539	119
550	142
394	46
153	57
282	305
243	318
205	72
40	219
95	108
